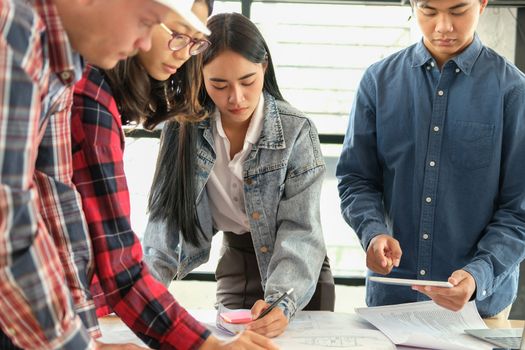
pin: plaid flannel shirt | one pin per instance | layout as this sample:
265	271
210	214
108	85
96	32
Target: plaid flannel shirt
45	255
128	288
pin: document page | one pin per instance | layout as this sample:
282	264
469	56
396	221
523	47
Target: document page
427	325
114	331
325	330
342	338
316	330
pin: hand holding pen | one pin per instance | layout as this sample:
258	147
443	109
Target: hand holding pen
274	304
269	320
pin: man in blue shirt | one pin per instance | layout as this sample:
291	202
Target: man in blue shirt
433	165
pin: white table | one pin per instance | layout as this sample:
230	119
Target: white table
309	330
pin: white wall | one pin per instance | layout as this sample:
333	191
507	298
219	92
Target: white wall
497	30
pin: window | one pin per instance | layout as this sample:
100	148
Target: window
321	51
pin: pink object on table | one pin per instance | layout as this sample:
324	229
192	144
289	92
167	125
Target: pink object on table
244	316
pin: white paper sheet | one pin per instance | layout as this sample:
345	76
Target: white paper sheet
326	330
427	325
114	331
340	338
318	330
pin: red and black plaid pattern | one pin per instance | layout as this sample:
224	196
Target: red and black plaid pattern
44	248
122	283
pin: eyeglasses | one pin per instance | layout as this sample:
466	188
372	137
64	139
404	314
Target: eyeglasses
179	41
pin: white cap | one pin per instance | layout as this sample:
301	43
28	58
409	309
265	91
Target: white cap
183	8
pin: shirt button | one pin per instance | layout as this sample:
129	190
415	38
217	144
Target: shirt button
235	199
436	128
484	293
65	75
432	64
422	272
432	163
428	67
256	215
249	181
458	70
264	249
425	236
441	93
234	185
428	200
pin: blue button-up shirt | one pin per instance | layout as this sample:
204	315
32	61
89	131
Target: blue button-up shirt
437	160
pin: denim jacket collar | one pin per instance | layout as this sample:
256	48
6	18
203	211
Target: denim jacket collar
272	131
465	60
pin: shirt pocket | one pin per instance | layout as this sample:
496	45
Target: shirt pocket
472	144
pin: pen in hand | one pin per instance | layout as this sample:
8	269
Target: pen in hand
274	304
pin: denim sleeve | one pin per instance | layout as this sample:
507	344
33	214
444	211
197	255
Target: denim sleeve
161	251
502	247
299	246
358	170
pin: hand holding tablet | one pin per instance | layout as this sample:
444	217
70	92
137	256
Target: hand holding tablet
410	282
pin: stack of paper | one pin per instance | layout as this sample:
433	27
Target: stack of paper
228	328
313	330
427	325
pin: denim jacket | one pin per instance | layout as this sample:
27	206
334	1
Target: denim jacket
283	175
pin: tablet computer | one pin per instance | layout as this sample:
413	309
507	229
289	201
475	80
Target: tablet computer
506	338
409	282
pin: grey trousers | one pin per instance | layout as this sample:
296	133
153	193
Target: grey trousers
239	280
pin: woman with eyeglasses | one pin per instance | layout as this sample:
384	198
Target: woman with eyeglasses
148	88
253	170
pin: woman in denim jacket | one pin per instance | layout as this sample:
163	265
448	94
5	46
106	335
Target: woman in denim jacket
253	170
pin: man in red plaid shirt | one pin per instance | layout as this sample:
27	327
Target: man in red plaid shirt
45	254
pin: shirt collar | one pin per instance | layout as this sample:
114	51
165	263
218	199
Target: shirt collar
465	60
62	59
271	135
254	129
421	55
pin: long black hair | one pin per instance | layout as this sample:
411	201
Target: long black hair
172	195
